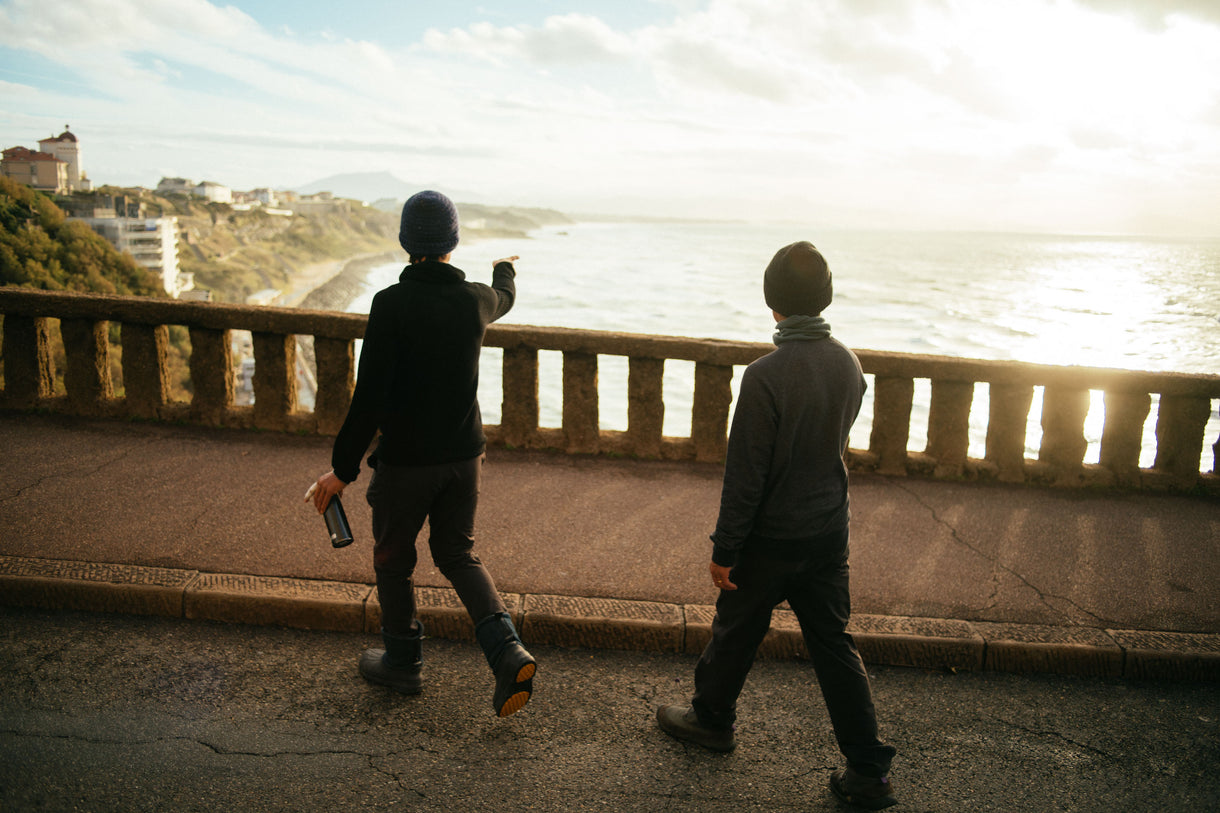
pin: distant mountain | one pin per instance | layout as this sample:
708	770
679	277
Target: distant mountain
386	192
372	187
365	186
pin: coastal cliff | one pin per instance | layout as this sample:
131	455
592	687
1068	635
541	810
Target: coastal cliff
234	252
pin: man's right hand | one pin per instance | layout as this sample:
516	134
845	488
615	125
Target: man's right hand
720	577
327	486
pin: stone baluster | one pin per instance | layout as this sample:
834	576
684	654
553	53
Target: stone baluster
336	362
645	405
1063	445
275	379
145	368
1122	436
87	368
211	375
1180	424
1007	415
1216	457
949	426
892	401
581	432
29	374
709	427
519	392
1186	404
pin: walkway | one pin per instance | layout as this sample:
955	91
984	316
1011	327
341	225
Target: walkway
1062	564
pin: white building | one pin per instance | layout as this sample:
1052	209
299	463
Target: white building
153	242
214	192
264	196
170	186
66	148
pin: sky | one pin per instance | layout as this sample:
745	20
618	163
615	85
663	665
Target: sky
1065	116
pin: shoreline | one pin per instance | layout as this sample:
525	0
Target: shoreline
333	285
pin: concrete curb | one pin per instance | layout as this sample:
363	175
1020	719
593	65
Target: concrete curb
598	623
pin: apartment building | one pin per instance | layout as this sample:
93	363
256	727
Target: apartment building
152	241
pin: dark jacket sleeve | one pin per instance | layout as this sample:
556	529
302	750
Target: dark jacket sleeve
503	284
373	381
746	468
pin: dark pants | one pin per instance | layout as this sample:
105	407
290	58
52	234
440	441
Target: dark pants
816	588
447	495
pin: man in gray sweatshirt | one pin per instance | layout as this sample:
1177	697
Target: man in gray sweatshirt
782	533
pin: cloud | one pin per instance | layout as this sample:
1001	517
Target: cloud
560	40
146	43
1155	14
1090	138
859	100
58	29
709	65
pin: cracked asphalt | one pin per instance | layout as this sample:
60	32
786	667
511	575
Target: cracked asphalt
120	713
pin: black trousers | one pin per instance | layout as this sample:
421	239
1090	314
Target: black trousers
447	496
816	588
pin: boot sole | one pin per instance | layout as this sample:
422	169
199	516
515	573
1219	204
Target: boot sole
524	683
402	688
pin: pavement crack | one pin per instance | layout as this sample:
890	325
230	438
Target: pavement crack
374	763
999	567
19	491
1055	735
234	752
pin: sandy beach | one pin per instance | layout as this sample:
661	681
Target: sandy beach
307	279
332	285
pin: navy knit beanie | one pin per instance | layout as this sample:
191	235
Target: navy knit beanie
798	282
429	226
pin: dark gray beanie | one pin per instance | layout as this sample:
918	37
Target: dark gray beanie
429	226
797	282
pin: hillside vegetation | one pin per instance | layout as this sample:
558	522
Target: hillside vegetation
235	253
41	248
232	253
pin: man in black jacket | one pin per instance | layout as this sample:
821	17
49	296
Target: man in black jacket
782	533
418	384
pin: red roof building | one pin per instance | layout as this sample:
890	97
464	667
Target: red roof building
40	170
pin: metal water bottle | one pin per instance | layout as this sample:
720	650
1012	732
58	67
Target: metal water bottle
336	523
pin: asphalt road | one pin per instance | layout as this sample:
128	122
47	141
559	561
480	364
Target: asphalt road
106	712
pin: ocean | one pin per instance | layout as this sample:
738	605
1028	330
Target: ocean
1122	302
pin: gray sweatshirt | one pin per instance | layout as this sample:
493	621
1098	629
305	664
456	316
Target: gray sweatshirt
785	483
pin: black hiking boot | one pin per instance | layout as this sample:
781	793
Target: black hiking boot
399	665
682	723
862	791
510	662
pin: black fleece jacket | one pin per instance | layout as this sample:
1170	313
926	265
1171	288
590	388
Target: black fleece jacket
785	483
418	377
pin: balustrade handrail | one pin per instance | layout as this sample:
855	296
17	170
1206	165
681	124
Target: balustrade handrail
1184	401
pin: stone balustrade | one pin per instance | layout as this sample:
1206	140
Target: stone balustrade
1184	402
